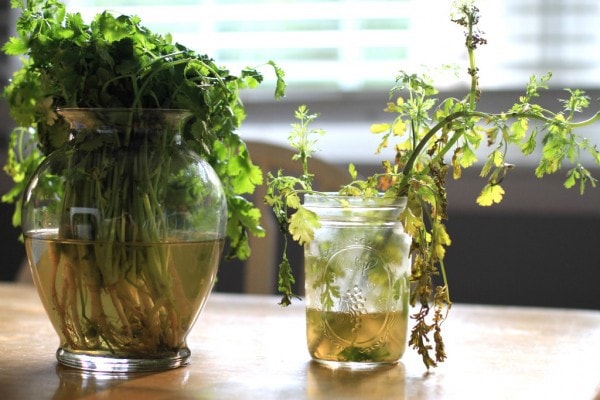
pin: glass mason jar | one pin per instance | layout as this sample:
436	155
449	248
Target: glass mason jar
357	271
124	228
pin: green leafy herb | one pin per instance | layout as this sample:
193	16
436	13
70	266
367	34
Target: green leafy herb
122	295
114	61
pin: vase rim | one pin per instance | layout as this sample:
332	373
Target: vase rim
61	110
90	117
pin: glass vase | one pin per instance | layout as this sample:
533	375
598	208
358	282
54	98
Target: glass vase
357	271
124	228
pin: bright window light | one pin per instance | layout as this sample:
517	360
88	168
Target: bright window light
352	45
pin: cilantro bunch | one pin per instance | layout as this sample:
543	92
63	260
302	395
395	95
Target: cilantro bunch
430	138
116	62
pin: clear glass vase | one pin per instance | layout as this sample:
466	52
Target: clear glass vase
357	271
124	229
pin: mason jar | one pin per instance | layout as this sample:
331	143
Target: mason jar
357	271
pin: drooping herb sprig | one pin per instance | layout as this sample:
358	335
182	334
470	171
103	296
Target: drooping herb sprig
427	131
284	197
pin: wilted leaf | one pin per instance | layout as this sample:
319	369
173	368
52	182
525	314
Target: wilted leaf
491	193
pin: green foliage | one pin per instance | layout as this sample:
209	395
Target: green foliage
21	162
426	130
114	61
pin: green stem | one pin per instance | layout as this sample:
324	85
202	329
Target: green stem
472	64
421	145
148	79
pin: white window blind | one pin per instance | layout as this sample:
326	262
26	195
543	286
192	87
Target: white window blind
537	36
348	45
334	44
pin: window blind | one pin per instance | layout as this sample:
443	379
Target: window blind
538	36
349	45
325	44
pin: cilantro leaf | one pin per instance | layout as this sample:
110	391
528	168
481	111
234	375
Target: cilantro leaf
302	225
490	194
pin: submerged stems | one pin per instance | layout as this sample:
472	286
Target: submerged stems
111	226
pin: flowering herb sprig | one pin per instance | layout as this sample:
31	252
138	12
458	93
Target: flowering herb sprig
426	132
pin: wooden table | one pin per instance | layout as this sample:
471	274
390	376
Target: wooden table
247	347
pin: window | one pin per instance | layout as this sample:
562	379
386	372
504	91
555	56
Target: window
537	36
330	44
350	45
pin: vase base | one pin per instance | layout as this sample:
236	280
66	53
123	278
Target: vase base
105	363
354	365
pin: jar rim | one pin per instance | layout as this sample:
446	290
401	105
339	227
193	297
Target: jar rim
334	199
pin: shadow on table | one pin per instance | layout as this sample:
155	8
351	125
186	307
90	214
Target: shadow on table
60	383
597	394
383	383
74	384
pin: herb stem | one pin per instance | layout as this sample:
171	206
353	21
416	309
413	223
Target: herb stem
472	66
